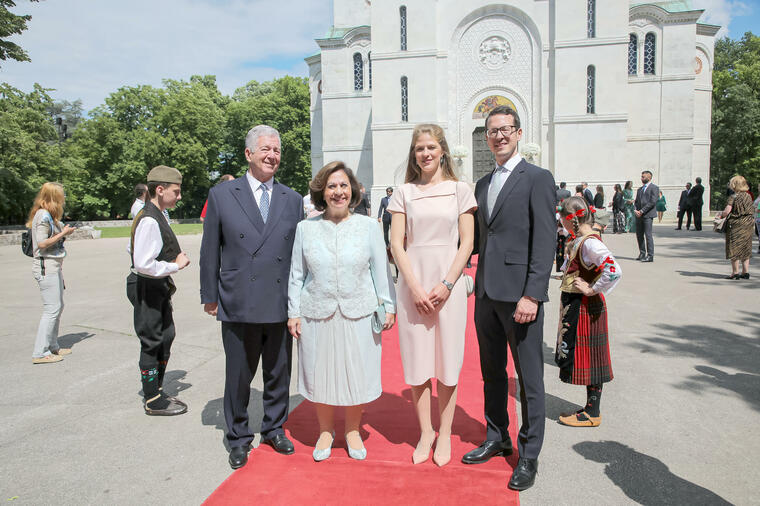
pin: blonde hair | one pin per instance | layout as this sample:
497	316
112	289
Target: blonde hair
739	184
50	198
571	206
413	172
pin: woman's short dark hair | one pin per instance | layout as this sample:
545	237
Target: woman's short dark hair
318	184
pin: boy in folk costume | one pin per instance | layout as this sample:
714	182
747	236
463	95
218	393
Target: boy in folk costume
589	272
156	255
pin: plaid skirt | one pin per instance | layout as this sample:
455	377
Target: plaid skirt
583	351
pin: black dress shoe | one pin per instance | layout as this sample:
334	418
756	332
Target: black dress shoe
165	406
280	443
648	259
239	456
744	275
524	474
488	449
641	257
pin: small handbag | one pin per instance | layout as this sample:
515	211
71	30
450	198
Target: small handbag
469	284
378	319
719	225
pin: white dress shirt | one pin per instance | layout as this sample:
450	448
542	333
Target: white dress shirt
500	176
256	187
136	206
148	245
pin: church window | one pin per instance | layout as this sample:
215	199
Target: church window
633	55
591	18
369	69
402	18
404	99
358	72
590	89
650	49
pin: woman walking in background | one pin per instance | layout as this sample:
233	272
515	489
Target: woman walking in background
48	234
740	222
661	207
630	216
599	197
434	211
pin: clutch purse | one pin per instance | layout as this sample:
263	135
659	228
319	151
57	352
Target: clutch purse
469	284
378	319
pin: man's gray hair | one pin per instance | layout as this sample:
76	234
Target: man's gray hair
254	133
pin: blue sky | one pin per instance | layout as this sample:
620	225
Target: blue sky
89	48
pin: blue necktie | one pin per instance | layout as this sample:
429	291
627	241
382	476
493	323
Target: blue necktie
264	204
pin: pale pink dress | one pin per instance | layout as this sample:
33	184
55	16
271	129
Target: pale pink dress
432	346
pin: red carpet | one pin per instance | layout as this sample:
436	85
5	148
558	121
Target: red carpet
390	433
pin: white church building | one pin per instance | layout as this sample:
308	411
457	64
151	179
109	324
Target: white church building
604	88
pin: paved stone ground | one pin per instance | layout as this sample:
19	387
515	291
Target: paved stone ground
679	420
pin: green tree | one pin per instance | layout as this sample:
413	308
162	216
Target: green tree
736	114
284	105
29	154
11	24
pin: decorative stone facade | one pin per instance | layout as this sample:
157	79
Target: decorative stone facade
604	89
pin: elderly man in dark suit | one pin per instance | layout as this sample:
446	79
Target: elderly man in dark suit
644	209
245	261
683	206
587	194
516	233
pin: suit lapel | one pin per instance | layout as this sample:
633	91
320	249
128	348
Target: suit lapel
481	196
242	192
509	185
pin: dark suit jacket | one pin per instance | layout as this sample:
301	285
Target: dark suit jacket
244	262
382	212
646	200
516	244
363	206
588	196
562	194
683	202
695	196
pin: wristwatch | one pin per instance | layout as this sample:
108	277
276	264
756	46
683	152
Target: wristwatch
448	285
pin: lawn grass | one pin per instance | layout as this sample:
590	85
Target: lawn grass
179	229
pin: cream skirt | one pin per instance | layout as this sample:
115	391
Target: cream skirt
339	360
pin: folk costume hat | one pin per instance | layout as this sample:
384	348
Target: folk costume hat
164	174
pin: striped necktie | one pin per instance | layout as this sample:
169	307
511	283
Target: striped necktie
264	204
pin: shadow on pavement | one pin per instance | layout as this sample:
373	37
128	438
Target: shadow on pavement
719	348
69	340
213	412
711	275
556	406
645	479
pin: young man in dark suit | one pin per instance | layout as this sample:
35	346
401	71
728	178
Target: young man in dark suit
695	205
683	206
644	209
515	238
247	242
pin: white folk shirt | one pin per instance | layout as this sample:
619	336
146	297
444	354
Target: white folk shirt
148	245
256	188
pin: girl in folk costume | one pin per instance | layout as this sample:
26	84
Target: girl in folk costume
589	272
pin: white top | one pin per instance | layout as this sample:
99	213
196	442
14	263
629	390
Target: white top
148	245
137	205
256	187
595	252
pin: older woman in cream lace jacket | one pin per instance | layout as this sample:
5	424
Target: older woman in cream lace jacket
339	281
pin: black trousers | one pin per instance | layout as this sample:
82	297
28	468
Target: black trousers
496	329
154	326
386	227
680	218
244	343
697	213
644	236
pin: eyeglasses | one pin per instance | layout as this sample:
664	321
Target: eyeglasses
506	131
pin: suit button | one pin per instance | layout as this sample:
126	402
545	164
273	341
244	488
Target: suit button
490	232
278	280
253	256
279	259
287	237
242	235
253	278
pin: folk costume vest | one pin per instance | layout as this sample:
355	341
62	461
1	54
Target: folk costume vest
170	248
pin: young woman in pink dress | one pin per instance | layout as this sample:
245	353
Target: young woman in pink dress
432	232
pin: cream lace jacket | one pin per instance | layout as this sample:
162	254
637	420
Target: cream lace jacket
341	266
